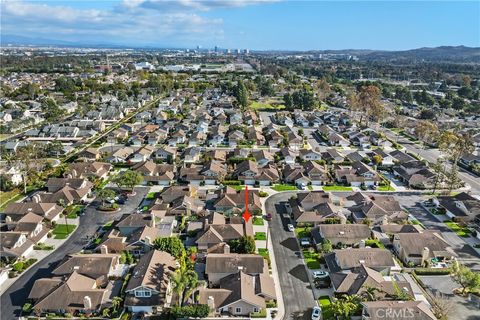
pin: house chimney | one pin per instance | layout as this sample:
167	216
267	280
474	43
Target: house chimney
148	240
240	268
87	303
226	249
76	268
211	303
425	254
152	216
362	244
103	249
8	219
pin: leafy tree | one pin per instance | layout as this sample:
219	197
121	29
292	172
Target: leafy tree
172	245
287	98
105	194
129	179
367	102
468	279
377	159
327	246
245	244
241	94
346	306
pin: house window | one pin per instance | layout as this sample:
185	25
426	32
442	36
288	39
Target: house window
238	310
255	309
143	293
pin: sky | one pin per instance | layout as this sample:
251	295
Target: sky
252	24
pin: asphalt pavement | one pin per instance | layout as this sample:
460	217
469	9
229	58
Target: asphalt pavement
14	297
296	290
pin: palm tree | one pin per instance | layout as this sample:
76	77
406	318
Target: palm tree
369	293
184	281
116	301
61	203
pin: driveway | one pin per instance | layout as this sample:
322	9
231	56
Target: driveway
14	297
296	290
442	286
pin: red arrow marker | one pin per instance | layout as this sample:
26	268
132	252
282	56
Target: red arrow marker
246	215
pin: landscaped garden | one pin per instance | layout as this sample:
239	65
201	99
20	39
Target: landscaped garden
459	230
311	259
303	232
62	231
73	211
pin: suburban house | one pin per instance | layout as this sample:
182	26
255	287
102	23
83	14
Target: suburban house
356	281
315	207
68	294
380	260
218	230
220	265
376	208
415	174
161	174
229	200
249	173
84	170
149	289
460	208
345	234
239	294
421	248
15	211
357	175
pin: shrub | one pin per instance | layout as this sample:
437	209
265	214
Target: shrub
232	182
432	271
27	308
260	314
263	194
193	311
19	266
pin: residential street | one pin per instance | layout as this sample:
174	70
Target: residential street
15	296
296	290
432	155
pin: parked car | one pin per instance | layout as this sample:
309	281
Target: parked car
290	227
320	274
317	313
305	242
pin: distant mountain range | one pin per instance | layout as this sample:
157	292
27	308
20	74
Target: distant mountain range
443	53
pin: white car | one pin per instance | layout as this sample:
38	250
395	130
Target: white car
317	313
320	274
290	227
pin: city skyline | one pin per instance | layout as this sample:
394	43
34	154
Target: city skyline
253	24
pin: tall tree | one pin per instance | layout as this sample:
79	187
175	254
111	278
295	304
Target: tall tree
241	94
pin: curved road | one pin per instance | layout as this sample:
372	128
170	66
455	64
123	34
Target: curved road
297	293
15	296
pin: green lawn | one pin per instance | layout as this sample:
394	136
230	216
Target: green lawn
258	221
259	105
460	231
260	236
337	188
326	305
107	226
60	231
9	196
238	188
283	187
311	259
385	188
303	232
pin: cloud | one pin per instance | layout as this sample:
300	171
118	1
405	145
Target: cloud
202	5
130	22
